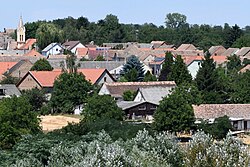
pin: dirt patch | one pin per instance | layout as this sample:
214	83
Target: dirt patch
50	123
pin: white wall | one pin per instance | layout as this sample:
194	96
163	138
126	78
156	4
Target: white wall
77	46
103	80
54	51
193	68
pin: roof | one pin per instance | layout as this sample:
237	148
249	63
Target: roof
34	53
82	51
70	44
17	65
28	44
116	89
218	59
244	69
230	51
47	78
155	94
243	51
10	90
216	50
109	65
4	66
129	104
186	47
50	46
210	111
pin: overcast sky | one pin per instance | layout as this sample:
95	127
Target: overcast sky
213	12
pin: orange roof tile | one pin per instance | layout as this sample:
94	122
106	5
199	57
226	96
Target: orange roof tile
28	44
47	78
34	53
82	51
4	66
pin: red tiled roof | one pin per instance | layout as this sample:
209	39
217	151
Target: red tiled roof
82	51
28	44
47	78
4	66
244	69
34	53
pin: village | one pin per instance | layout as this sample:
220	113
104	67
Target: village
160	85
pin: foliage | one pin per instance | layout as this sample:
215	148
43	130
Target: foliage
42	65
128	95
16	119
133	70
175	112
102	107
149	77
36	98
234	63
8	79
179	72
175	20
70	90
100	58
167	67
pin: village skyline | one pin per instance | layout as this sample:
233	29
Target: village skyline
130	12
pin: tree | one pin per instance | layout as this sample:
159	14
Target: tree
175	20
232	34
36	98
100	58
8	79
46	34
102	107
167	67
133	70
234	63
207	81
179	72
42	65
16	119
128	95
70	90
175	112
149	77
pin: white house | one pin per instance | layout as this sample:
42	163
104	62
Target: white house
53	49
73	45
193	67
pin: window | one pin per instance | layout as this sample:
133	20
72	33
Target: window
2	92
153	108
142	108
105	79
56	49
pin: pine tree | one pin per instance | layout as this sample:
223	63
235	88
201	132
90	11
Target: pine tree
133	70
179	72
166	69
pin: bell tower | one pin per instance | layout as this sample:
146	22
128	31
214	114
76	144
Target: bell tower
20	33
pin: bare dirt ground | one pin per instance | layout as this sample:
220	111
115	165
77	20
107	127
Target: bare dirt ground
245	139
52	122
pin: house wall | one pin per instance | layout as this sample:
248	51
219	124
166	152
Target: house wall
141	111
149	59
28	83
53	51
193	68
22	70
139	97
104	90
105	78
73	50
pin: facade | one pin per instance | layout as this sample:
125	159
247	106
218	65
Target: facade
20	33
73	45
8	90
52	49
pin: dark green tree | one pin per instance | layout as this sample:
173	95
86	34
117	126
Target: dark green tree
175	20
102	107
232	35
42	65
179	72
167	67
100	58
234	63
16	119
128	95
133	70
8	79
149	77
70	90
175	112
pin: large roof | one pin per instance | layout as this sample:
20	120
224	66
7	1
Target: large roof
70	44
28	44
210	111
46	49
116	89
230	52
4	66
216	50
186	47
109	65
10	90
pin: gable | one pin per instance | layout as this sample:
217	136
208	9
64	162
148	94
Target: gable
28	83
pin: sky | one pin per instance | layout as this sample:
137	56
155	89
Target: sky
212	12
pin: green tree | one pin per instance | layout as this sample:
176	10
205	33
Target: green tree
149	77
36	98
42	65
175	112
207	81
70	90
48	33
100	58
167	67
232	35
102	107
8	79
133	70
175	20
179	72
234	63
16	119
128	95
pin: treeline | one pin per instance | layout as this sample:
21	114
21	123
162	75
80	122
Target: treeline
109	29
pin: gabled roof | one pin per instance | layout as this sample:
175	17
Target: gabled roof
50	46
124	105
155	94
70	44
17	65
244	69
9	90
186	47
34	53
28	44
109	65
216	50
243	51
230	52
4	66
210	111
82	51
116	89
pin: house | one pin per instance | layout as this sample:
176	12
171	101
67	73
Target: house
28	45
230	52
72	45
45	79
53	49
216	50
239	114
116	89
19	69
82	52
246	68
8	90
186	47
33	53
5	66
244	52
156	65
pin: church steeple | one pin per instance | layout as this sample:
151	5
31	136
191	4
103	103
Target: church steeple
20	33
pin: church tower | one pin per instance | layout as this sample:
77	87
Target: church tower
20	33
